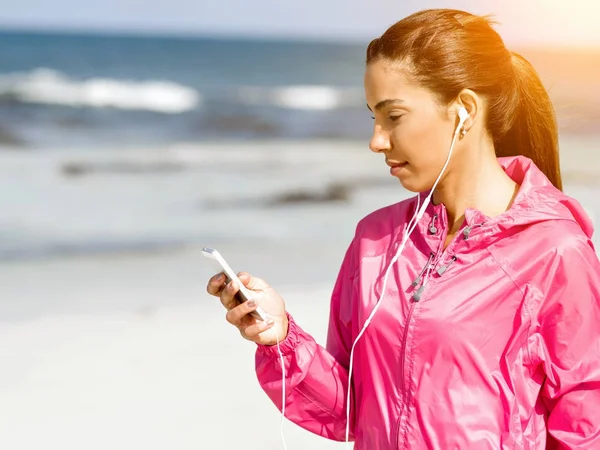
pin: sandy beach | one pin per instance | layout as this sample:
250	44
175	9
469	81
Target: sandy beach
134	355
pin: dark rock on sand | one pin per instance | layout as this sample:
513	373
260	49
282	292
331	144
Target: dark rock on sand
333	193
75	169
9	139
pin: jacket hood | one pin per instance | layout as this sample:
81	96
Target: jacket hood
537	201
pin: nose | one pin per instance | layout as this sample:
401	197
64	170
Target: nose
380	141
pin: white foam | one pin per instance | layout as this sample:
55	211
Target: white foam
301	97
46	86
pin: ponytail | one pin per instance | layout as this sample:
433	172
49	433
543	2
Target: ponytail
534	131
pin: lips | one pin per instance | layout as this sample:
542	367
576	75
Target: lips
396	163
396	168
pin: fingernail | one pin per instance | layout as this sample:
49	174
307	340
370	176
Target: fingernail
270	322
231	286
251	303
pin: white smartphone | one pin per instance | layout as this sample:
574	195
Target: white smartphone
243	294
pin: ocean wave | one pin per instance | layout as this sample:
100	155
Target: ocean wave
302	97
47	86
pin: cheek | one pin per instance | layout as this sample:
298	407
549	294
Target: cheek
421	142
425	147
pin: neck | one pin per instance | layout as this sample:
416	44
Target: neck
475	181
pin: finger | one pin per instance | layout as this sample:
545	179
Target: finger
251	282
235	315
215	284
228	295
251	332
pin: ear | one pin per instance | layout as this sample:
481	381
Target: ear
473	104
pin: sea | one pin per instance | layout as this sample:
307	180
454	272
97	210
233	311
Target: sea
60	90
111	143
65	90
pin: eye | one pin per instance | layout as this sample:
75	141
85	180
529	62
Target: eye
395	118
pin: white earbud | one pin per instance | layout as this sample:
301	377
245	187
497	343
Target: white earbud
463	115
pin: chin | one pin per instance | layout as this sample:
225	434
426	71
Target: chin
412	185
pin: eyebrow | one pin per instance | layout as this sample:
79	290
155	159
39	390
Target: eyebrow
382	104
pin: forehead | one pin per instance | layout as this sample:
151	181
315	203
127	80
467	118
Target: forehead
384	80
381	75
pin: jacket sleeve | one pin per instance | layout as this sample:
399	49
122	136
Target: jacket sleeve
569	325
316	378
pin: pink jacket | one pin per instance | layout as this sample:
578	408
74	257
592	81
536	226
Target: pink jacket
500	349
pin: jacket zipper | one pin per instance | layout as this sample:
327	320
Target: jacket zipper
405	392
434	259
404	338
414	300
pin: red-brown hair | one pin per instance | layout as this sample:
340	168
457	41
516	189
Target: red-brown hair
448	50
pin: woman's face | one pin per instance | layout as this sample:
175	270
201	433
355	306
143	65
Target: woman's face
412	130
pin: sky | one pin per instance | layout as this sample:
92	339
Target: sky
567	22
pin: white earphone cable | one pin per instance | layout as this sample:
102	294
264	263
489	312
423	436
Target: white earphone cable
283	398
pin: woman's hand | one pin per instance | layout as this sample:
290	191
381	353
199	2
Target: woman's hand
238	314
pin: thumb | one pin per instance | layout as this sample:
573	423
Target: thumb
254	283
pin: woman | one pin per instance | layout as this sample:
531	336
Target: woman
488	335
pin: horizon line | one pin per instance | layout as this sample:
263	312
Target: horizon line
186	34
